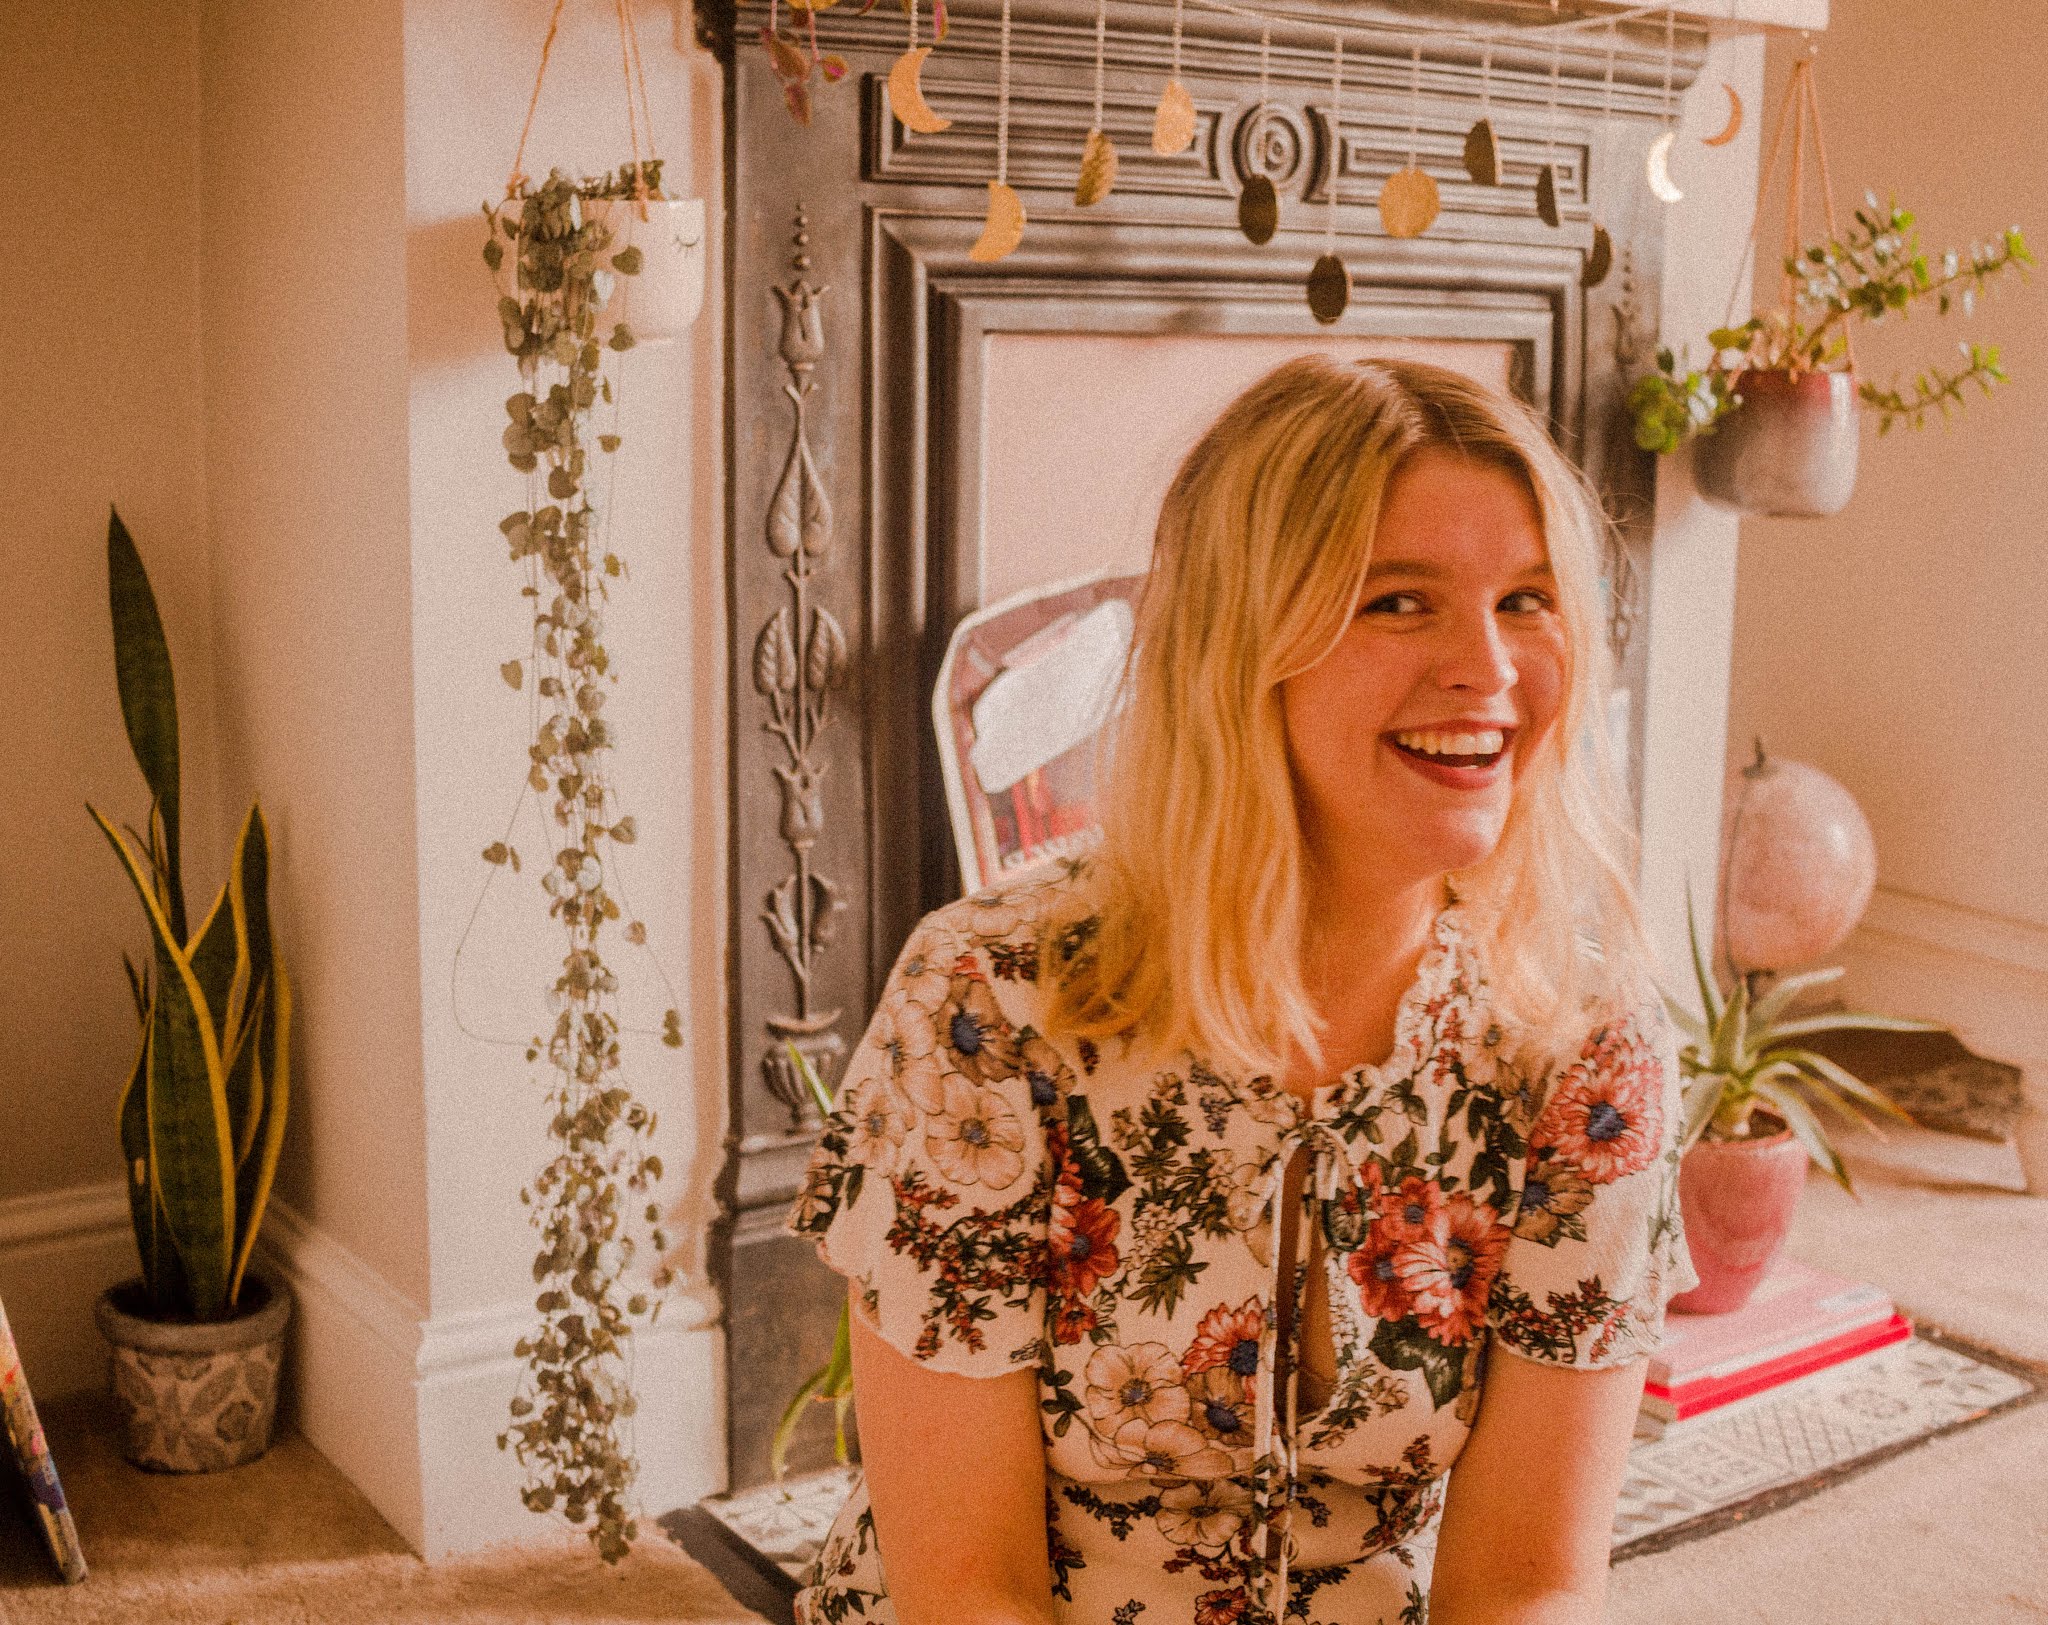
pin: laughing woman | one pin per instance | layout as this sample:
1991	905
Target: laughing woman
1270	1218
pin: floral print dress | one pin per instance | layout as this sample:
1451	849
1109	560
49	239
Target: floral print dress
1106	1217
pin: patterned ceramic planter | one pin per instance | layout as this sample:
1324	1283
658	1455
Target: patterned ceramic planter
1788	450
663	297
1737	1198
196	1397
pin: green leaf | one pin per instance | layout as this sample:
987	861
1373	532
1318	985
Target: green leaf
494	253
1686	1022
1851	1021
1836	1076
191	1152
149	699
1701	979
627	261
1788	988
1731	1032
1800	1119
1703	1096
258	1173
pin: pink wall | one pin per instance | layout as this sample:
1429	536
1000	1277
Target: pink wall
1900	645
303	286
102	366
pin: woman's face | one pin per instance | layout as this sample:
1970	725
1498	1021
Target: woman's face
1408	737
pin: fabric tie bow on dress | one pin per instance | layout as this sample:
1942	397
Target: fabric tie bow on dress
1276	1417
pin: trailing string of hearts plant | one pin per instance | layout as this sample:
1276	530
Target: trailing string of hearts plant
560	253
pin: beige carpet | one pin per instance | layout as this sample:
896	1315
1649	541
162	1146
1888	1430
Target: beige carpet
1952	1531
287	1541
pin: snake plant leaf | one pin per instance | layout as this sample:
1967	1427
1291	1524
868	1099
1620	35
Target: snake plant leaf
1709	1005
1799	1117
214	958
249	913
137	987
191	1152
259	1172
152	1241
149	700
1776	1002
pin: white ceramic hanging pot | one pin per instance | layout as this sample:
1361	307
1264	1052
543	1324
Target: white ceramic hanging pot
663	297
1788	451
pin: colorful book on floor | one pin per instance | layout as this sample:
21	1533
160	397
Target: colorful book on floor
1793	1308
30	1453
1713	1395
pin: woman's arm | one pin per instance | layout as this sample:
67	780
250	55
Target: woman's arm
1529	1519
956	1474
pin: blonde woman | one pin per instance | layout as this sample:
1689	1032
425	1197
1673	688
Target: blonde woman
1269	1218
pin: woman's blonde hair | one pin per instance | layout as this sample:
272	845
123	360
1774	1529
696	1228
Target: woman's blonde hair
1199	894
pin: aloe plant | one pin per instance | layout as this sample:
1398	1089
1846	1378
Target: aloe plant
832	1383
1746	1056
202	1116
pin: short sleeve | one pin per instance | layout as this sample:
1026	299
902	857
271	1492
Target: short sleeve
1598	1249
930	1189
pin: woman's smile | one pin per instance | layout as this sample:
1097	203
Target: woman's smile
1460	755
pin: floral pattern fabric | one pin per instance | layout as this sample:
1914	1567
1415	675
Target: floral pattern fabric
1107	1218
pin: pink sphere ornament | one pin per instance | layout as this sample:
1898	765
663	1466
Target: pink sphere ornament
1798	864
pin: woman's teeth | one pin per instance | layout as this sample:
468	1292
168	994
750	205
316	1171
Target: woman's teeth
1455	749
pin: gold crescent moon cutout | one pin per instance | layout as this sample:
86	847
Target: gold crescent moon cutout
1599	259
1004	229
1098	170
1658	166
1408	203
1733	127
906	95
1173	124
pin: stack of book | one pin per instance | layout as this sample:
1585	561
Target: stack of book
1800	1322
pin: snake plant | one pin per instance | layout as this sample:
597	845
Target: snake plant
1745	1057
202	1116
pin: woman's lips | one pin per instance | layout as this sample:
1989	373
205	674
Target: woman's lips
1459	773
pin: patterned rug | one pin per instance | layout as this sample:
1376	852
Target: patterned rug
1696	1479
1772	1451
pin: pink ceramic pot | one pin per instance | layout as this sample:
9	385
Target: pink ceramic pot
1789	449
1737	1198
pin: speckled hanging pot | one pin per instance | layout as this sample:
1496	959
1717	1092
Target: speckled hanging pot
196	1397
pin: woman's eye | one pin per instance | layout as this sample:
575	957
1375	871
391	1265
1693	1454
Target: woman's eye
1394	603
1526	602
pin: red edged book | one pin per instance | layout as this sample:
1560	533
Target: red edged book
1710	1394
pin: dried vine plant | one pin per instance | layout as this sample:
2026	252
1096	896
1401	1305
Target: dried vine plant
593	1203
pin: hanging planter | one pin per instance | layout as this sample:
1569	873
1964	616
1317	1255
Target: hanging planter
1787	449
663	239
1776	405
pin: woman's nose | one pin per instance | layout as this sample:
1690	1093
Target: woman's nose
1475	657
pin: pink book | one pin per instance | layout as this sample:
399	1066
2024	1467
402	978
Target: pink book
1794	1307
1707	1395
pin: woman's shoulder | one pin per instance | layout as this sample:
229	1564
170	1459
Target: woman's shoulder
1019	929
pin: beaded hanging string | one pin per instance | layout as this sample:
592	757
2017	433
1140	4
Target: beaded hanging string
1101	48
1336	143
1265	84
1003	100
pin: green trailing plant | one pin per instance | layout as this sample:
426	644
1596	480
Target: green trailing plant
832	1383
1745	1060
1874	270
594	1202
202	1116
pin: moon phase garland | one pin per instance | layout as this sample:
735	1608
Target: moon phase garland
1408	202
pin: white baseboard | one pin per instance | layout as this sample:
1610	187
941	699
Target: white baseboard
1984	975
409	1408
59	1250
